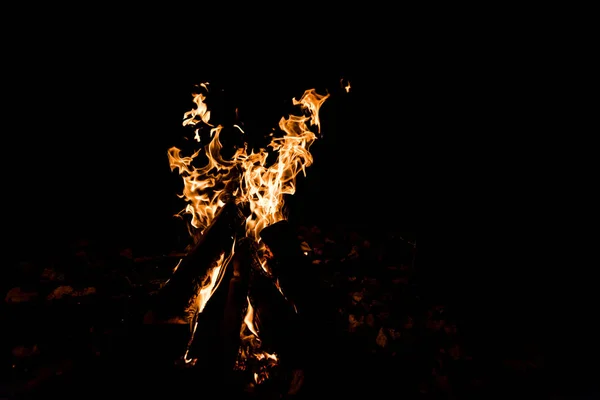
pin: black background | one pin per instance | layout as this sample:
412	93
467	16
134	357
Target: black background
89	128
91	107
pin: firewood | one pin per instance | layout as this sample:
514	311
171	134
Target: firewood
292	268
174	303
244	260
298	281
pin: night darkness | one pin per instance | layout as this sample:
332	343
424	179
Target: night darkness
89	126
92	130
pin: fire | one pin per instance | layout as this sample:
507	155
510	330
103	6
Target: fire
264	187
212	281
346	86
203	188
247	177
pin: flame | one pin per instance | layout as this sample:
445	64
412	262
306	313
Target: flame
249	319
262	186
346	86
214	278
203	188
201	112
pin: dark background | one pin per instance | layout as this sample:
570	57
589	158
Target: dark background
93	106
91	109
90	127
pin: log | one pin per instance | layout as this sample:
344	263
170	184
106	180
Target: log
299	283
290	265
175	301
244	260
282	239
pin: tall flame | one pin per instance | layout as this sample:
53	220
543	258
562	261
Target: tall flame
206	290
246	175
264	187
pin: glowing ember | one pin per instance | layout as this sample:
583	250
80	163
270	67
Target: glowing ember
250	178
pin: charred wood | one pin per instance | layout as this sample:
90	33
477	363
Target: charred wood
175	302
290	265
299	283
276	320
244	260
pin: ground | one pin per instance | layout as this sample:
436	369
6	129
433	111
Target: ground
75	328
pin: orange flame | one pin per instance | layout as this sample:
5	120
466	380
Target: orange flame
346	86
263	187
249	319
204	188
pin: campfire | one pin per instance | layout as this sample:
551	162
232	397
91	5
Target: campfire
241	276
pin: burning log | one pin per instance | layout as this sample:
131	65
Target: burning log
289	264
298	285
182	298
244	260
274	314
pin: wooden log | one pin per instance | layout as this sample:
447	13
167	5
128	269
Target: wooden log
244	260
298	280
175	302
282	239
291	267
278	324
272	310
